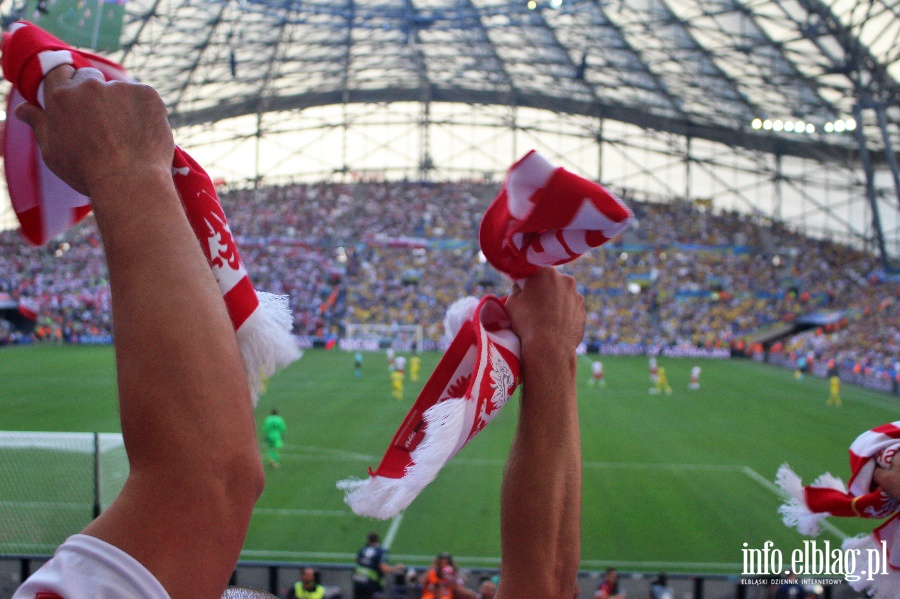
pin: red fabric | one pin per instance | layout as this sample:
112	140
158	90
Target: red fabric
478	366
546	216
543	216
862	499
46	206
876	504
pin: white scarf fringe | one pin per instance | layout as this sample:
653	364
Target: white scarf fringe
457	314
383	498
794	512
265	341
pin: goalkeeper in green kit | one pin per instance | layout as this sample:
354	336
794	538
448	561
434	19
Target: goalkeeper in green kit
274	427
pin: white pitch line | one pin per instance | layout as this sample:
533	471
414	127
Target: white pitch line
13	547
392	531
299	555
327	451
775	489
324	458
602	465
47	505
649	565
299	512
493	462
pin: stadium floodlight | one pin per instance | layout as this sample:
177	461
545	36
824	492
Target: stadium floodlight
799	126
556	3
531	4
839	126
767	125
789	126
777	126
757	123
810	128
829	127
850	124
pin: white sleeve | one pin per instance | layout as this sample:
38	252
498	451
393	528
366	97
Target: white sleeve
84	567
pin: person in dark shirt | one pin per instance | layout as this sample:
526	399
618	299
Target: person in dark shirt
371	566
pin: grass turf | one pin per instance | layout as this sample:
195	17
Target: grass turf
674	482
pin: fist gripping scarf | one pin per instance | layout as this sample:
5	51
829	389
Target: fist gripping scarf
544	215
46	206
827	496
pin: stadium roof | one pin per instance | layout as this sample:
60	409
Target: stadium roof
702	68
759	104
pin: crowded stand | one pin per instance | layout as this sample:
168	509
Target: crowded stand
401	252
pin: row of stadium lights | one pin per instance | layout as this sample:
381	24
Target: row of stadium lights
838	126
532	4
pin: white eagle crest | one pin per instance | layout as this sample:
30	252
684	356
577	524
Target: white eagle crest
502	382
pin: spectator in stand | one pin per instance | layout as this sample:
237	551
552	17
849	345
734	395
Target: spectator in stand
441	579
660	589
610	588
307	587
344	252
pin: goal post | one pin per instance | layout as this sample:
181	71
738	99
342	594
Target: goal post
53	484
372	337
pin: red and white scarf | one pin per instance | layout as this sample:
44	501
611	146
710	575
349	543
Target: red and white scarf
807	506
543	215
47	207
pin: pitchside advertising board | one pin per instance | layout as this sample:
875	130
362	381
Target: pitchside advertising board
93	24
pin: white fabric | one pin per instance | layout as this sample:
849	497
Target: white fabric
85	567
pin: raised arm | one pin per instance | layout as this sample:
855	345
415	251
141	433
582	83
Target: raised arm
184	402
541	498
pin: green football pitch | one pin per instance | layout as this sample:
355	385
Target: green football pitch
675	482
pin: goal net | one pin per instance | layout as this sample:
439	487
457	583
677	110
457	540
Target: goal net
372	337
51	484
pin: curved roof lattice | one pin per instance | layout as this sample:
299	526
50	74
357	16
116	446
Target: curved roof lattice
704	68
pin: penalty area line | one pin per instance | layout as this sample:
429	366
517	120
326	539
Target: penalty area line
775	489
392	531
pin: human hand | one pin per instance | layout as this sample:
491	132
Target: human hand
548	312
888	479
93	133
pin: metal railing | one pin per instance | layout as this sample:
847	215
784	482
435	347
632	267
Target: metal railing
278	577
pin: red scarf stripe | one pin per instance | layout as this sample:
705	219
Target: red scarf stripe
29	53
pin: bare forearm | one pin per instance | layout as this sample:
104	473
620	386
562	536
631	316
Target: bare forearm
541	503
181	385
175	345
